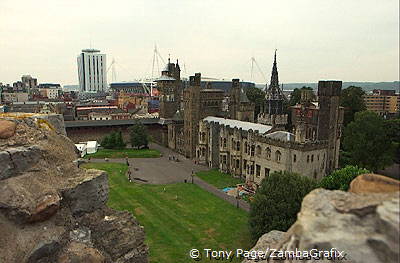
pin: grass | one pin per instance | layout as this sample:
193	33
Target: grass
196	219
122	153
219	179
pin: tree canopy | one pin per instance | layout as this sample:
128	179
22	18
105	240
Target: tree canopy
138	135
113	141
257	96
352	100
366	142
277	202
296	95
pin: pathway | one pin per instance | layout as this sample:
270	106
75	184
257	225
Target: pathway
164	171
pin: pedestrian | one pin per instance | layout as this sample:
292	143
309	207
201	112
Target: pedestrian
129	176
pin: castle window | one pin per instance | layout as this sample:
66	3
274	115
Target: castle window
278	156
312	158
258	151
294	158
237	163
258	170
252	151
268	153
245	147
308	158
238	146
224	142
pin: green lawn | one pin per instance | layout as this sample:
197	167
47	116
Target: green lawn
122	153
196	219
219	179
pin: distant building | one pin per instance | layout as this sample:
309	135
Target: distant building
384	102
29	82
92	71
14	97
50	90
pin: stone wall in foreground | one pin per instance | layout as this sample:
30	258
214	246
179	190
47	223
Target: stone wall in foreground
363	223
52	211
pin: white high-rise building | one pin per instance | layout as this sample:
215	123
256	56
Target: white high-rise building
92	71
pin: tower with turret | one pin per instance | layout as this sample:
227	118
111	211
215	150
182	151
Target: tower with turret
169	86
240	107
272	112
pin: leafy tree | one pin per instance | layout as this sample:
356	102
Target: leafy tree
106	142
277	202
352	100
138	134
296	95
392	128
341	179
119	142
366	142
257	96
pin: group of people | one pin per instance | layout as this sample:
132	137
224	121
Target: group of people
173	158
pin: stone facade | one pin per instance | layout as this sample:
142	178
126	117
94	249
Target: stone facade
240	108
169	86
198	104
256	150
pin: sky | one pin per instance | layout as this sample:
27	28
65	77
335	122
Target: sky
348	40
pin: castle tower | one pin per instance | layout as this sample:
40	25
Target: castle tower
169	86
330	120
272	112
191	100
240	107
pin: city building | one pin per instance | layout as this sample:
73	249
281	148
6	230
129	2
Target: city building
386	103
92	71
50	90
29	82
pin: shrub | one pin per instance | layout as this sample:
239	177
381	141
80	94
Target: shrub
341	179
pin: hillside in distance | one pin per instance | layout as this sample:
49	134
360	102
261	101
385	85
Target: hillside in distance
366	86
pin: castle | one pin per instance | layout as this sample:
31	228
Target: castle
195	125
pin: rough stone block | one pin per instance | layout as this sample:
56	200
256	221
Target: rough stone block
88	194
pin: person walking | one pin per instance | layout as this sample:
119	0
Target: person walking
129	176
127	160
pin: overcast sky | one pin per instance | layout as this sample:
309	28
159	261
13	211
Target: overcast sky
349	40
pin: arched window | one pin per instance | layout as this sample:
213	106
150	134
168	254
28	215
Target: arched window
252	150
268	153
258	150
245	147
224	142
294	158
278	156
238	146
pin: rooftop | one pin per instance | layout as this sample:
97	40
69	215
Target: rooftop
261	128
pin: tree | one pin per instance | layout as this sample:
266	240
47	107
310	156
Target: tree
296	95
277	202
105	143
352	100
119	142
257	96
341	179
392	128
366	142
138	134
